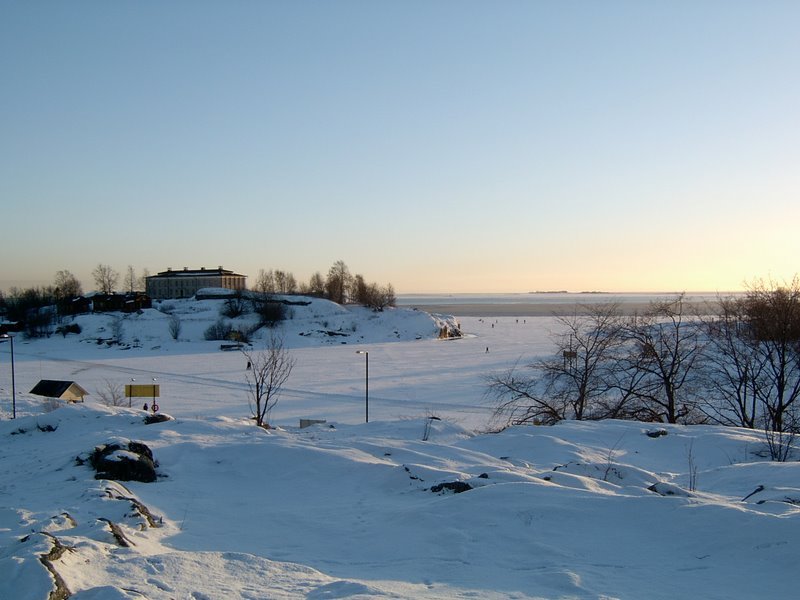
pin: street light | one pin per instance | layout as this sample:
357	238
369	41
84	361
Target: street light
10	338
366	382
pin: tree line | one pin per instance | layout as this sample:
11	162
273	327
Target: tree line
339	286
738	365
37	308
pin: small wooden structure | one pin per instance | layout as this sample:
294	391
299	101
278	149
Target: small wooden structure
63	390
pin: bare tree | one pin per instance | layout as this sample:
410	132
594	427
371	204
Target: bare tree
111	393
581	374
280	281
291	284
141	283
130	280
338	282
385	297
518	399
66	285
773	325
266	372
578	382
378	297
732	371
360	290
285	283
105	278
664	348
316	285
265	282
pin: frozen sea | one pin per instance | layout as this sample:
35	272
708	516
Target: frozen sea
534	304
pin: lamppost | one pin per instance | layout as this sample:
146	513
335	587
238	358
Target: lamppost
130	392
366	382
10	338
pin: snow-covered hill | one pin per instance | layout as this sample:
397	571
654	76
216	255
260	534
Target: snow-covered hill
310	322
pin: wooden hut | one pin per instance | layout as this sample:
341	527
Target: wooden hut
63	390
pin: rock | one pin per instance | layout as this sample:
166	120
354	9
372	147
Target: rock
453	486
656	433
669	489
156	418
124	462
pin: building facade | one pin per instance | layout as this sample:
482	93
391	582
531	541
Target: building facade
185	283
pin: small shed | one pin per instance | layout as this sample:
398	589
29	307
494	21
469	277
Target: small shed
63	390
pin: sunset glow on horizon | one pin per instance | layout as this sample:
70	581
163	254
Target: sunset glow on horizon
443	148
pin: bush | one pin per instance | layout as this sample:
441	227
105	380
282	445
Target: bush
221	330
71	328
174	326
233	307
270	312
241	336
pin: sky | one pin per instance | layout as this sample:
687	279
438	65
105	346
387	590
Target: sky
441	147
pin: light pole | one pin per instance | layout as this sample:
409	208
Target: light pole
366	382
10	338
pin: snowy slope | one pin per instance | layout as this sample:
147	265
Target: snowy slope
310	322
349	511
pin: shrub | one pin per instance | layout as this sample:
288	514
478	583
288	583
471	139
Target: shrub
174	326
241	336
71	328
221	330
233	307
270	312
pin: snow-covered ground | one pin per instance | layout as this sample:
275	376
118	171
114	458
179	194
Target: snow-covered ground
346	509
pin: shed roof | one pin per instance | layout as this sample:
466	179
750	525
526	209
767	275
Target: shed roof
52	388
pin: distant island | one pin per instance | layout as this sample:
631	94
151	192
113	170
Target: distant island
565	292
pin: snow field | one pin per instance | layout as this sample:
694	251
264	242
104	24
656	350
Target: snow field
345	509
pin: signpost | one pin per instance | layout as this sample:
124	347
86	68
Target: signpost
143	390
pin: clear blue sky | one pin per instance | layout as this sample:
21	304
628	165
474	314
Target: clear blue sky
438	146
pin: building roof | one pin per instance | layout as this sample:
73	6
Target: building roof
52	388
201	272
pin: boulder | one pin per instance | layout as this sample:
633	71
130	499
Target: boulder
451	486
124	461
